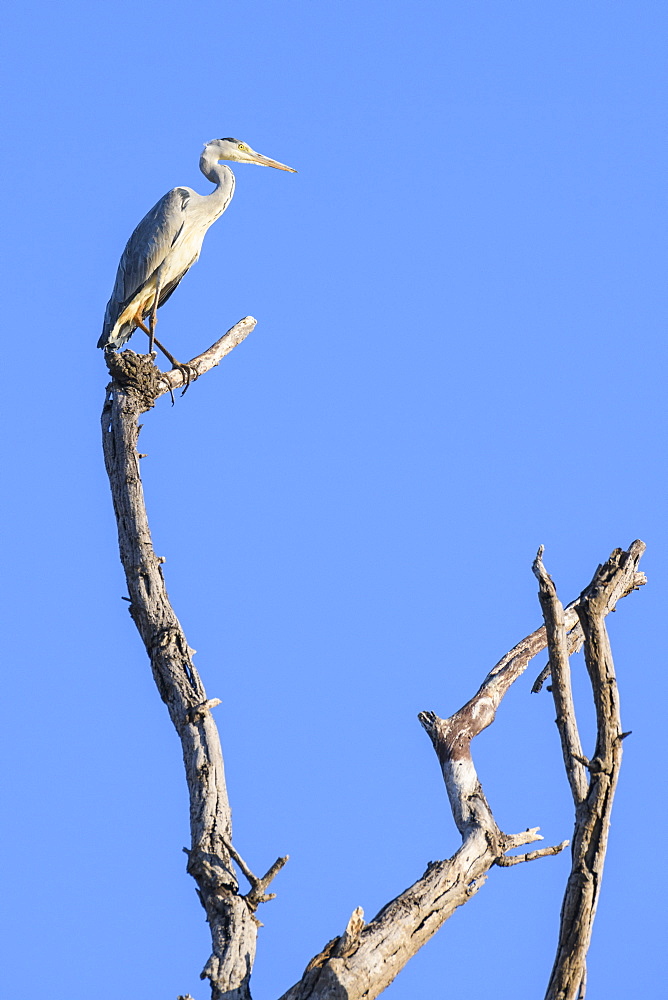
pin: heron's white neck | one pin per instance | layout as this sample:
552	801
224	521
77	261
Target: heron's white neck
219	174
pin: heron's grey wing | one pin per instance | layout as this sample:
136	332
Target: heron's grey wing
146	250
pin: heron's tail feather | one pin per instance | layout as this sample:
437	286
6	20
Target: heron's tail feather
113	340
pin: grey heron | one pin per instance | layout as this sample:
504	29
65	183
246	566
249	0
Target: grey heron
167	242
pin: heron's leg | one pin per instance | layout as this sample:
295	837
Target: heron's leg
189	374
175	363
142	327
153	316
149	334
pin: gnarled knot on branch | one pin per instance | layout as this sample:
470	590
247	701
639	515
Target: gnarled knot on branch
136	374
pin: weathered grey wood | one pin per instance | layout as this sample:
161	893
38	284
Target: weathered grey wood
553	612
365	958
593	798
137	383
176	378
360	965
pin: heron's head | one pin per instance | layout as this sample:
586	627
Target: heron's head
234	149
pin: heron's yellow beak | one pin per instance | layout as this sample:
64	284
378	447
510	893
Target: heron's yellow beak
264	161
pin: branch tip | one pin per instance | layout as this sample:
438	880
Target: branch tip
176	377
543	852
528	836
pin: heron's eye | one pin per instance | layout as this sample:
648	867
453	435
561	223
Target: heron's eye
241	146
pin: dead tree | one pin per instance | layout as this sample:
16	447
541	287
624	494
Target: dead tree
365	958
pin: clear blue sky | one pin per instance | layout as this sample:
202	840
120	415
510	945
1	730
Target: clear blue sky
459	356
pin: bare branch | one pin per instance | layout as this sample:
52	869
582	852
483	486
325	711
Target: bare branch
257	894
514	663
574	640
361	965
517	859
553	612
513	840
138	374
137	383
630	580
592	813
175	378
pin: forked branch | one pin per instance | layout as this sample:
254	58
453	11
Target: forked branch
592	782
383	946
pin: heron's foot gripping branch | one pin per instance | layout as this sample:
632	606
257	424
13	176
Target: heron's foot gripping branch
188	373
138	375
